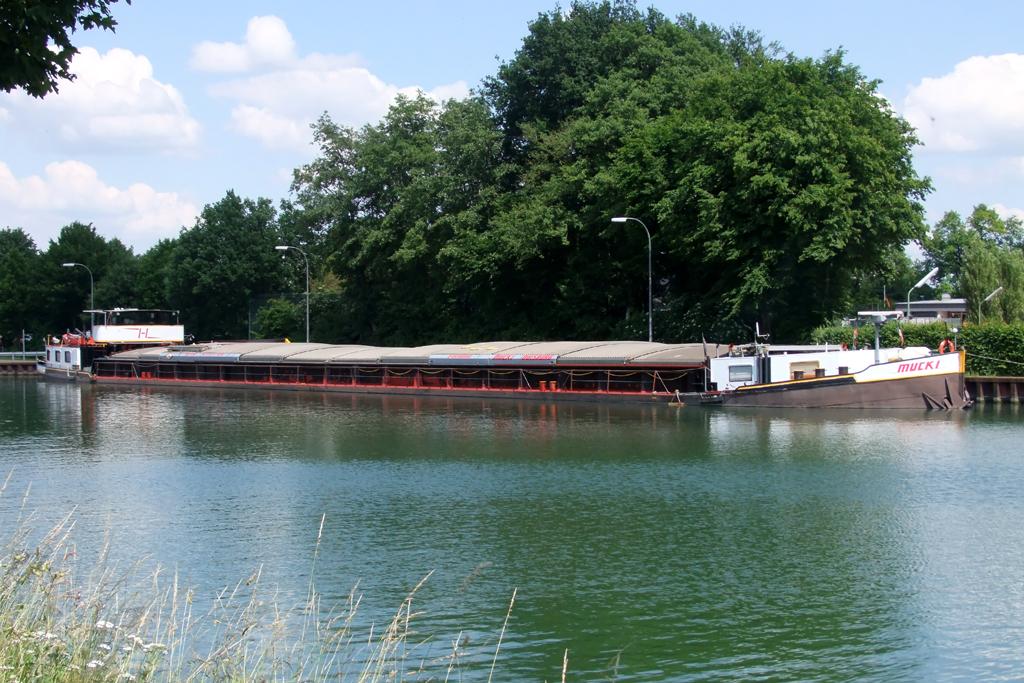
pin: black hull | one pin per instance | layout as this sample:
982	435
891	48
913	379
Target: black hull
64	376
932	392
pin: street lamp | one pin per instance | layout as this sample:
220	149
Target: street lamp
987	298
285	248
92	306
650	295
920	282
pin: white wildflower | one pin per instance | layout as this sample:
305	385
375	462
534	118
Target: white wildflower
104	625
128	677
6	668
94	663
126	648
104	646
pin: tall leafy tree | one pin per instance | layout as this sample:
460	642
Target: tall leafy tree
987	267
19	264
398	201
772	186
950	241
769	182
223	262
779	183
154	269
65	292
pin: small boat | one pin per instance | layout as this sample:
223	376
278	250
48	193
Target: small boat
69	358
830	376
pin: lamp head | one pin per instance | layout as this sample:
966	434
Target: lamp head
281	248
990	296
69	265
927	277
620	219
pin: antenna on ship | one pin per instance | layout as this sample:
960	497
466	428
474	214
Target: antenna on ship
758	336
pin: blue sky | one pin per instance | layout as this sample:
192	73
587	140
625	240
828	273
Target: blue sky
190	99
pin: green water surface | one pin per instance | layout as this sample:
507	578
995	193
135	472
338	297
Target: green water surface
651	542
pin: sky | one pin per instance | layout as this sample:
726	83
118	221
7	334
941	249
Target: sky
190	99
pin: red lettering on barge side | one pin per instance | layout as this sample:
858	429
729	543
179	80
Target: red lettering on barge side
918	367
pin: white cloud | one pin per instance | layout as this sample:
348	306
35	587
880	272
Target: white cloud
976	107
277	105
71	190
268	43
1005	212
114	104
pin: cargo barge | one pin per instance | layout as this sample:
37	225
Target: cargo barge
624	371
751	375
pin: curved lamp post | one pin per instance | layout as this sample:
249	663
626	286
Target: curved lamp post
920	282
92	306
987	299
650	296
285	248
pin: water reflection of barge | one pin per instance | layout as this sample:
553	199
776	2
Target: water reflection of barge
595	371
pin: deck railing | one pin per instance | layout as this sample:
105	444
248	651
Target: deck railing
20	355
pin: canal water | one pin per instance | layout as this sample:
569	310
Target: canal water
650	542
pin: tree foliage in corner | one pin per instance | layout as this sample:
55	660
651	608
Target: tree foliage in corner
28	29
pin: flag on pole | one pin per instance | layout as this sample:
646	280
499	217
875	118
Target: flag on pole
886	298
900	330
855	339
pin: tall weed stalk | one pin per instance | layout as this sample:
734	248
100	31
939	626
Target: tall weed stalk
112	626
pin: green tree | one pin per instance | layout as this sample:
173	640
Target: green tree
281	319
154	268
946	245
19	262
770	184
117	286
65	292
397	203
986	268
35	40
219	265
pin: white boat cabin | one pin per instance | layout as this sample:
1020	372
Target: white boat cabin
113	329
768	364
137	326
64	357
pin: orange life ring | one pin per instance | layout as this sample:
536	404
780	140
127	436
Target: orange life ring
946	346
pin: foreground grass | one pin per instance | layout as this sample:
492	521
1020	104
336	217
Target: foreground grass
110	626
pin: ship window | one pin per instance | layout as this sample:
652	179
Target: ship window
47	354
741	373
141	318
67	356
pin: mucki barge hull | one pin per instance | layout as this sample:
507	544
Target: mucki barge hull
589	371
756	375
